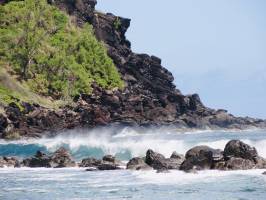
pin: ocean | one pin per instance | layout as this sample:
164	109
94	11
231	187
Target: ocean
125	143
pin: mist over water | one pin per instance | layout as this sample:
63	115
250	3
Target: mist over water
125	143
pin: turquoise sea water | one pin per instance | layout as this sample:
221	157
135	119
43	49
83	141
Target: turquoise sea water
77	184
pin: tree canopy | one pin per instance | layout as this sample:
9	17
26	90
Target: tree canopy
48	51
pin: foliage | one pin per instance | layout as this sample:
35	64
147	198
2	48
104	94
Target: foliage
117	23
52	54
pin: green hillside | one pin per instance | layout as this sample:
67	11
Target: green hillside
47	57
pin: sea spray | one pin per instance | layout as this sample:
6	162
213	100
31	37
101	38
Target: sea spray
127	142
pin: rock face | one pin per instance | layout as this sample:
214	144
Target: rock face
149	96
59	159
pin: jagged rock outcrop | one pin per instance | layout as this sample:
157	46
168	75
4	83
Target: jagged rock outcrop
149	96
59	159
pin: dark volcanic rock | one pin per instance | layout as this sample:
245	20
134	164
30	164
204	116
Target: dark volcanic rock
235	163
90	162
39	160
238	149
108	166
200	158
108	162
138	163
59	159
62	158
3	123
155	160
159	162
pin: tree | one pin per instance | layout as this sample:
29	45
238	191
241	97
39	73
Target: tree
50	53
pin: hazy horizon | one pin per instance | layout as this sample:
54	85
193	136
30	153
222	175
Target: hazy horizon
213	48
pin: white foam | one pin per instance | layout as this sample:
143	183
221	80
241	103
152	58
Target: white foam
179	177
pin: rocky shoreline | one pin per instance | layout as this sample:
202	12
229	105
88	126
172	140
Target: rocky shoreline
236	156
149	97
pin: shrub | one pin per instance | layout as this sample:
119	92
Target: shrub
49	52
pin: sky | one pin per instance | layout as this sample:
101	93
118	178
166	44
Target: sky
216	48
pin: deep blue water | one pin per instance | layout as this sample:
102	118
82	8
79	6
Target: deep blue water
76	184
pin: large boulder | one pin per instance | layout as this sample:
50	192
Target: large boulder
238	149
62	158
155	160
159	162
138	163
201	158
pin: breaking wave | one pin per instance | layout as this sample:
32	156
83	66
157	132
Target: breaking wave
129	142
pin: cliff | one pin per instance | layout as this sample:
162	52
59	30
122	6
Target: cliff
148	98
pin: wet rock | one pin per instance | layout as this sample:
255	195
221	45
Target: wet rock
9	162
264	173
108	166
39	160
260	163
158	161
201	158
90	162
112	159
238	149
239	164
3	123
138	163
61	158
155	160
176	155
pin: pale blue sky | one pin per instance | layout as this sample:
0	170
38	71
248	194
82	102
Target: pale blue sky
216	48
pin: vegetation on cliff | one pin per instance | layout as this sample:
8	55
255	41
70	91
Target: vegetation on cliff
49	54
